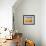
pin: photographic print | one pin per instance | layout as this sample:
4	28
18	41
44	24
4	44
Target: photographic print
28	19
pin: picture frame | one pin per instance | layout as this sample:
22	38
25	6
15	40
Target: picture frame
28	19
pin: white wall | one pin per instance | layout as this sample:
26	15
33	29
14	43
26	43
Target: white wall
6	13
36	32
28	7
43	22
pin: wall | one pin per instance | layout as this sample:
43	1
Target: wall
43	23
6	13
28	7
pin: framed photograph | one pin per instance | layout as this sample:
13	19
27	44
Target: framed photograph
28	19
